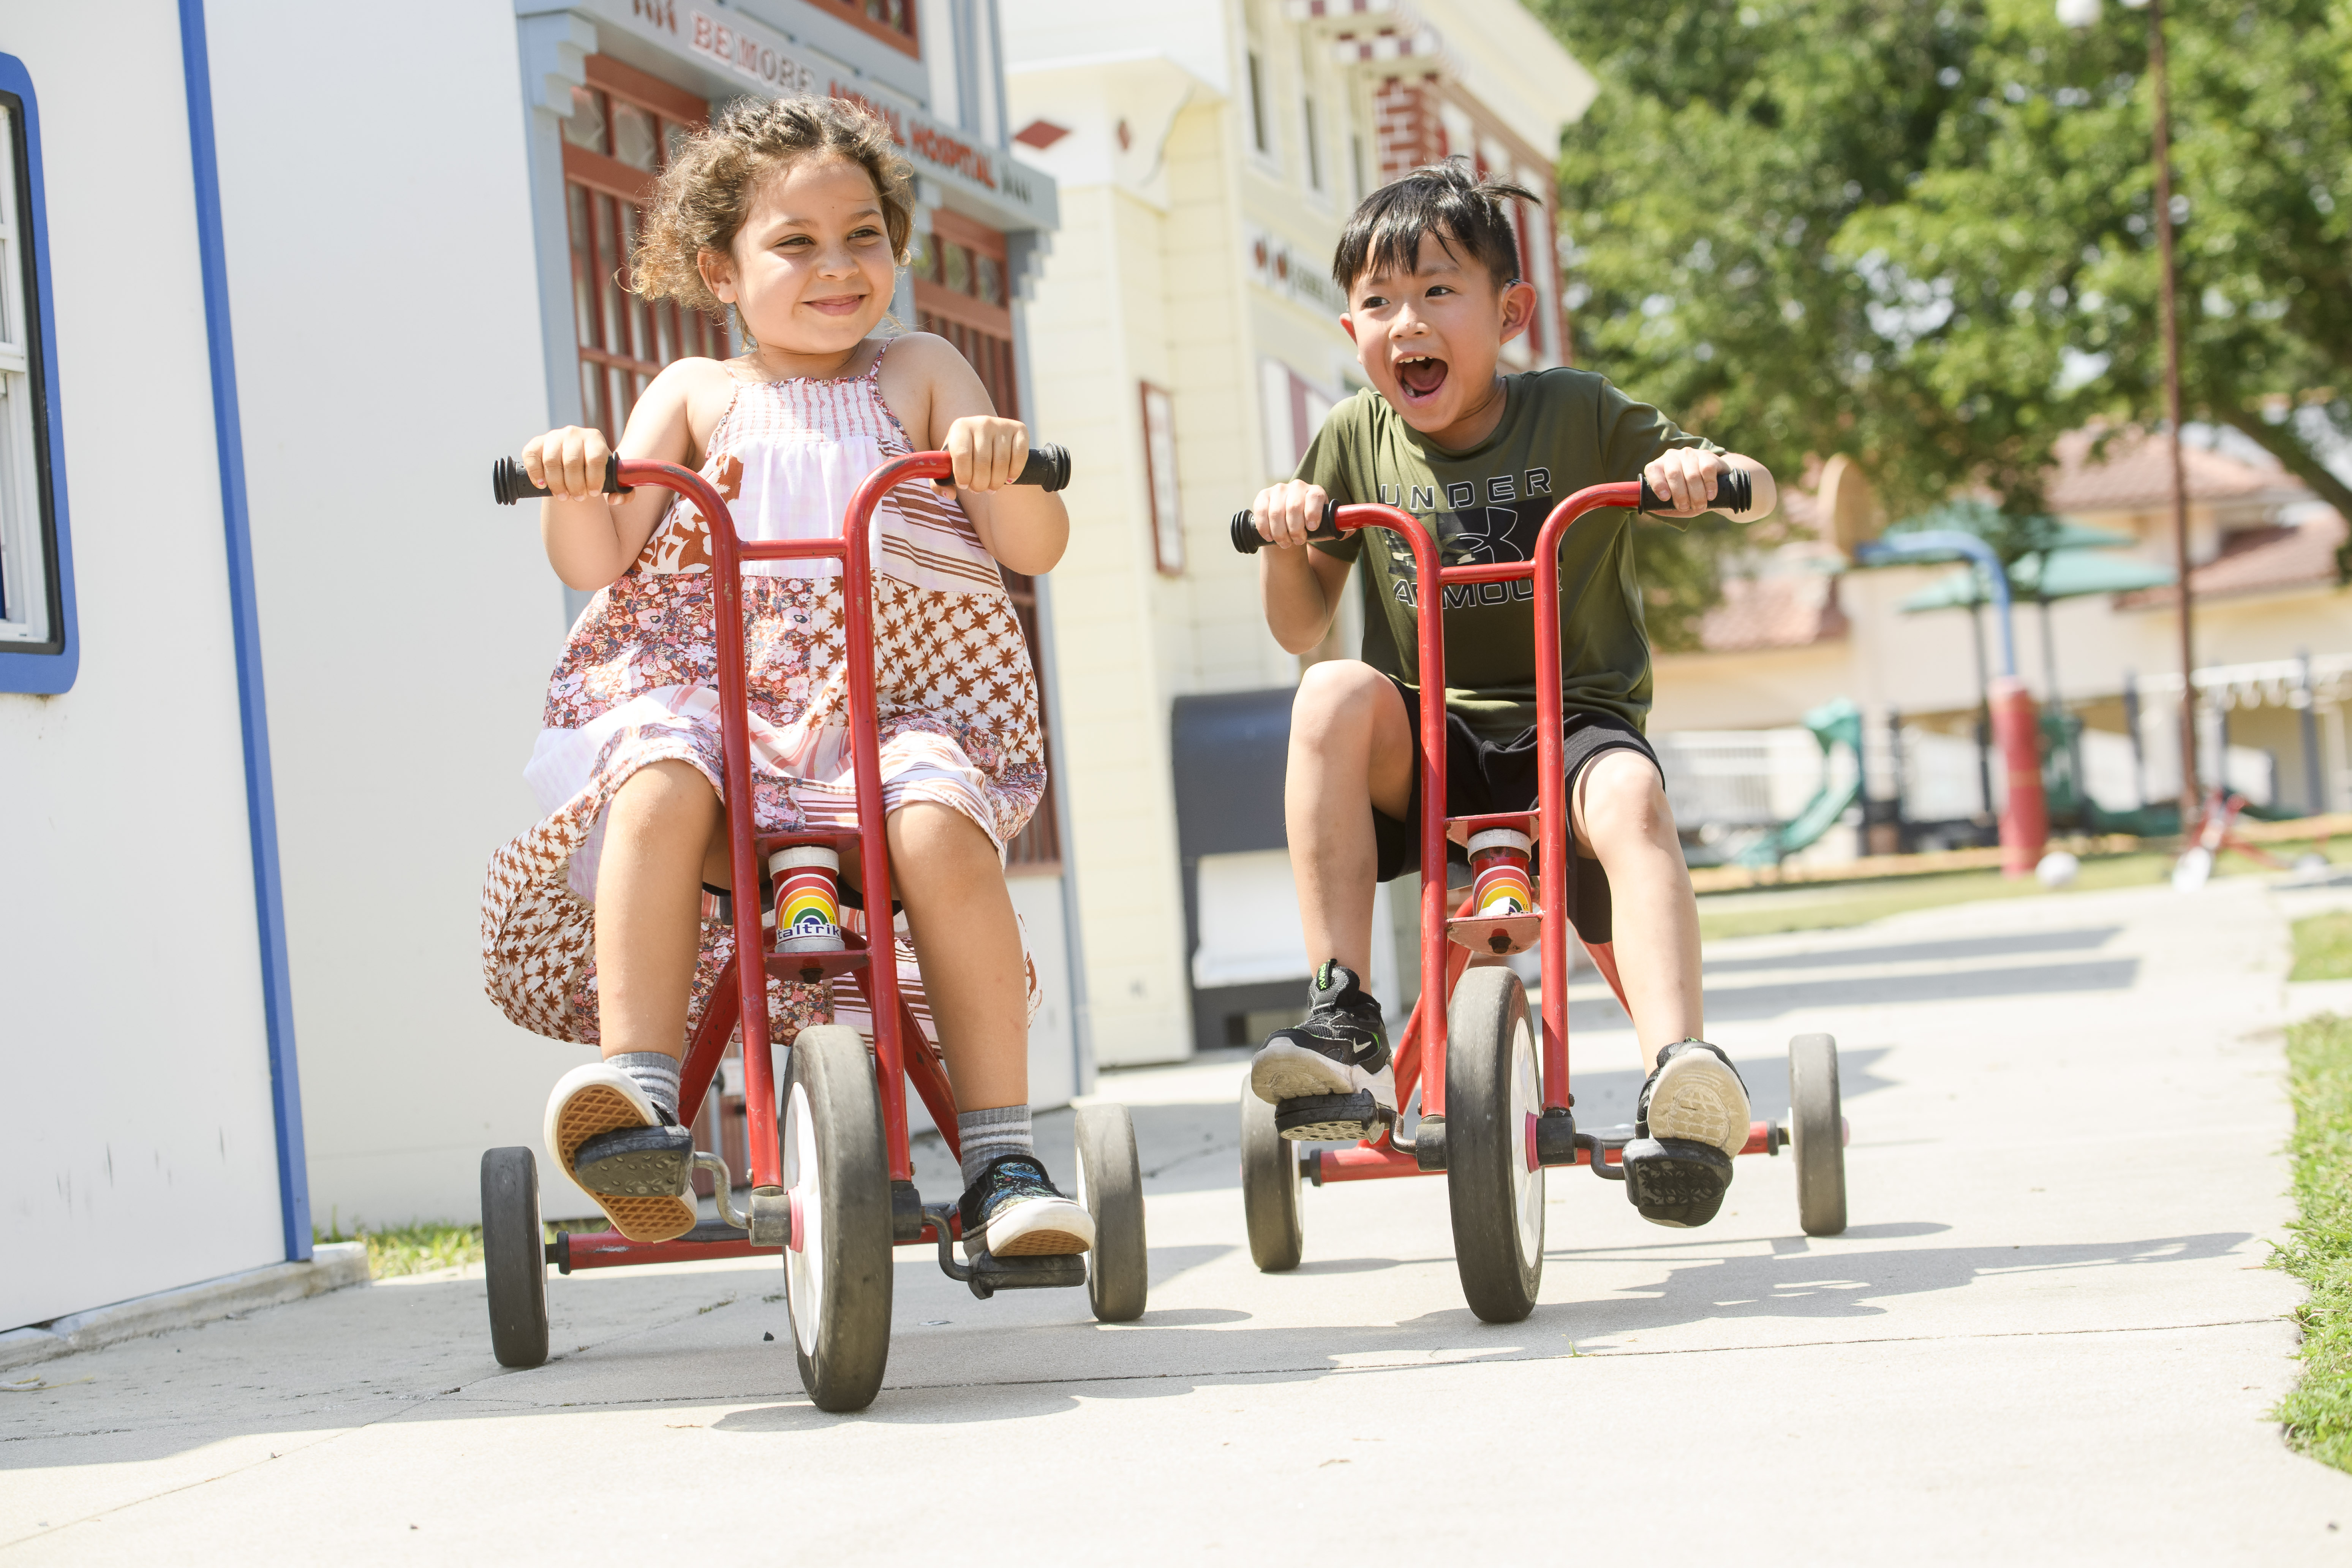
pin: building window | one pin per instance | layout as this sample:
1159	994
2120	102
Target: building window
1356	164
32	608
960	294
892	21
622	128
1258	136
1295	409
1160	477
1314	149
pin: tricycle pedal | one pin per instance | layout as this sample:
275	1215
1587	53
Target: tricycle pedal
990	1274
1676	1181
1319	1117
637	1163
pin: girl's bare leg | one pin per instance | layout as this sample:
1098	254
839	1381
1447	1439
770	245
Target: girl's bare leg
658	834
1622	819
959	914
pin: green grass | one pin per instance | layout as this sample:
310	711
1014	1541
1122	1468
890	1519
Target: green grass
421	1248
2318	1413
410	1248
2322	947
1825	906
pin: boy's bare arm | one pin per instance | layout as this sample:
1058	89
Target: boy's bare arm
1688	476
1300	586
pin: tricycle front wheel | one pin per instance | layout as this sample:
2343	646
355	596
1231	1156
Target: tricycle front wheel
1493	1096
838	1265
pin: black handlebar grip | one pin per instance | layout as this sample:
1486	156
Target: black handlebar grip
510	482
1249	542
1733	493
1049	468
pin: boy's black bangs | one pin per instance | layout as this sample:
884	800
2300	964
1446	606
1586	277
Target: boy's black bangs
1385	233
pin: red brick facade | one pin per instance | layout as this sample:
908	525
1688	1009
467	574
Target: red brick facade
1406	127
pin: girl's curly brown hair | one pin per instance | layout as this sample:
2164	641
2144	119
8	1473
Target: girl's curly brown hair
704	196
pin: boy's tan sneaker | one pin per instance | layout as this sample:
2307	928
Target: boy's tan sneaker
598	1099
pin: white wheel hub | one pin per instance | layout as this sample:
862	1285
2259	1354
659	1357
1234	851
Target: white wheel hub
804	1259
1526	1178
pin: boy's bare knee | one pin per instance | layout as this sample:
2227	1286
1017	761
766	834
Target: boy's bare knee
1335	697
1623	800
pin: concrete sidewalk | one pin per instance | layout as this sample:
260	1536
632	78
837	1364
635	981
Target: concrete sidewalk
2049	1335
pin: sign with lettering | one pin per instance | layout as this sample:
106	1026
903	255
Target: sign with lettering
743	49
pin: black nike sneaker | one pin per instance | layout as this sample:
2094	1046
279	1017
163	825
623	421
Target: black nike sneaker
1691	1119
1328	1077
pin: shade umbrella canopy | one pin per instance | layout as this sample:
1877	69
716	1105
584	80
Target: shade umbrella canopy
2065	573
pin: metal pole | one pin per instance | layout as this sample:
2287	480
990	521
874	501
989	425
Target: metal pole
2315	784
2191	797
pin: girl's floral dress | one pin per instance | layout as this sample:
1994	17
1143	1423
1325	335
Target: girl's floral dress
956	699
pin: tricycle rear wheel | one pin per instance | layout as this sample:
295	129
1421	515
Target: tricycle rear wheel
1493	1094
1110	1186
1269	1188
514	1257
1817	1134
838	1266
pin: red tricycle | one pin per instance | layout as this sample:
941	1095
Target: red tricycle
1492	1119
832	1189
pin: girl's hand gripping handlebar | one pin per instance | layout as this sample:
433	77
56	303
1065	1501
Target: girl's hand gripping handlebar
1733	493
1049	468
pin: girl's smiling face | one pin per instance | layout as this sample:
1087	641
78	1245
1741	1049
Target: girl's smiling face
810	270
1428	340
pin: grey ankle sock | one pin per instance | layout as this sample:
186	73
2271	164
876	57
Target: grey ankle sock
988	1135
653	1073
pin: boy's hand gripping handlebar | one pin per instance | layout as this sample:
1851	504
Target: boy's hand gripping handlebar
1048	469
1733	493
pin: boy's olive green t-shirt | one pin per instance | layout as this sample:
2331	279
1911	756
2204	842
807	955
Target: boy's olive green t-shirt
1560	431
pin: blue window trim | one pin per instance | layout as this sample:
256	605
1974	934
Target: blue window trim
44	673
260	798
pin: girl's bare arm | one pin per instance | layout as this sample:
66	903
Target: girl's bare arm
592	537
1025	528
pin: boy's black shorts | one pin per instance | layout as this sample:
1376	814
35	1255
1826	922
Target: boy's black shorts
1483	776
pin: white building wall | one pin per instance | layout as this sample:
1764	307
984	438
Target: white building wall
142	1154
385	291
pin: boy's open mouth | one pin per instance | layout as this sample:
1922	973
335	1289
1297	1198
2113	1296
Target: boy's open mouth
1421	376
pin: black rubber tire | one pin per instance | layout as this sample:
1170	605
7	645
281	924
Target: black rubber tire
1269	1188
837	1282
1492	1086
1817	1134
514	1257
1110	1186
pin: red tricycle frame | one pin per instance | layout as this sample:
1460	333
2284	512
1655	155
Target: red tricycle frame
1419	1059
741	992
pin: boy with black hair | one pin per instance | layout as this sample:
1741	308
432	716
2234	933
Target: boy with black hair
1434	287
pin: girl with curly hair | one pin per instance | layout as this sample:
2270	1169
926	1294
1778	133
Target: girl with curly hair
600	924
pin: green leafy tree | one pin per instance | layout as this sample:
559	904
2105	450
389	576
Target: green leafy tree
1921	232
